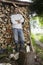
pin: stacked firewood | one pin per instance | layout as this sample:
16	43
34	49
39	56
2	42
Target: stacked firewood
6	27
26	25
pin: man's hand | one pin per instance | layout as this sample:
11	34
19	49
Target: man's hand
18	21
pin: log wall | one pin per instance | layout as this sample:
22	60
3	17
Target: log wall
6	36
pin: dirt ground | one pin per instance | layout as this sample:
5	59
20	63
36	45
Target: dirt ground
25	59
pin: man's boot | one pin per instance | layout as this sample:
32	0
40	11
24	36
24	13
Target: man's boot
17	48
22	48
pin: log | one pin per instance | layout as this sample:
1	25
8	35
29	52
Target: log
2	15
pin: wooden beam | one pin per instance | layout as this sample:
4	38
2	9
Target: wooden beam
22	3
17	2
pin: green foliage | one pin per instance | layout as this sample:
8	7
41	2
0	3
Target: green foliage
3	55
41	39
41	21
9	49
37	6
34	18
39	36
37	48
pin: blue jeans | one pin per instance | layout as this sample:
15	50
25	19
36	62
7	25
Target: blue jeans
18	36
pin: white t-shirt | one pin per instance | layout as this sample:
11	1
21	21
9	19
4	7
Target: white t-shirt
15	24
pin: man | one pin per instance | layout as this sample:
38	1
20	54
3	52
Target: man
17	20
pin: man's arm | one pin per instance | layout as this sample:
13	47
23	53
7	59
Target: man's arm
13	21
18	21
22	19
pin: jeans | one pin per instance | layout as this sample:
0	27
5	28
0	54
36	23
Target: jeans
18	36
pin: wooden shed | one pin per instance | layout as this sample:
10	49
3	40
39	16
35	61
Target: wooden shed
6	9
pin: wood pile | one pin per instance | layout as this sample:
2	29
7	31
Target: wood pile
5	24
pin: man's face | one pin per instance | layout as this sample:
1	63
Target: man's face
16	10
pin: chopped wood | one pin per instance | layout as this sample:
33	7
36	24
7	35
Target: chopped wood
6	26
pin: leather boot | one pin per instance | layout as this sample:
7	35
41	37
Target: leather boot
22	48
17	48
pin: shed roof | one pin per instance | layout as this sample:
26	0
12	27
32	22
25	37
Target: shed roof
19	2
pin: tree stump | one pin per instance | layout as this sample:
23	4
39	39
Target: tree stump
26	58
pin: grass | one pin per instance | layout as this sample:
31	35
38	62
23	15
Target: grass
38	50
7	52
40	37
3	55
